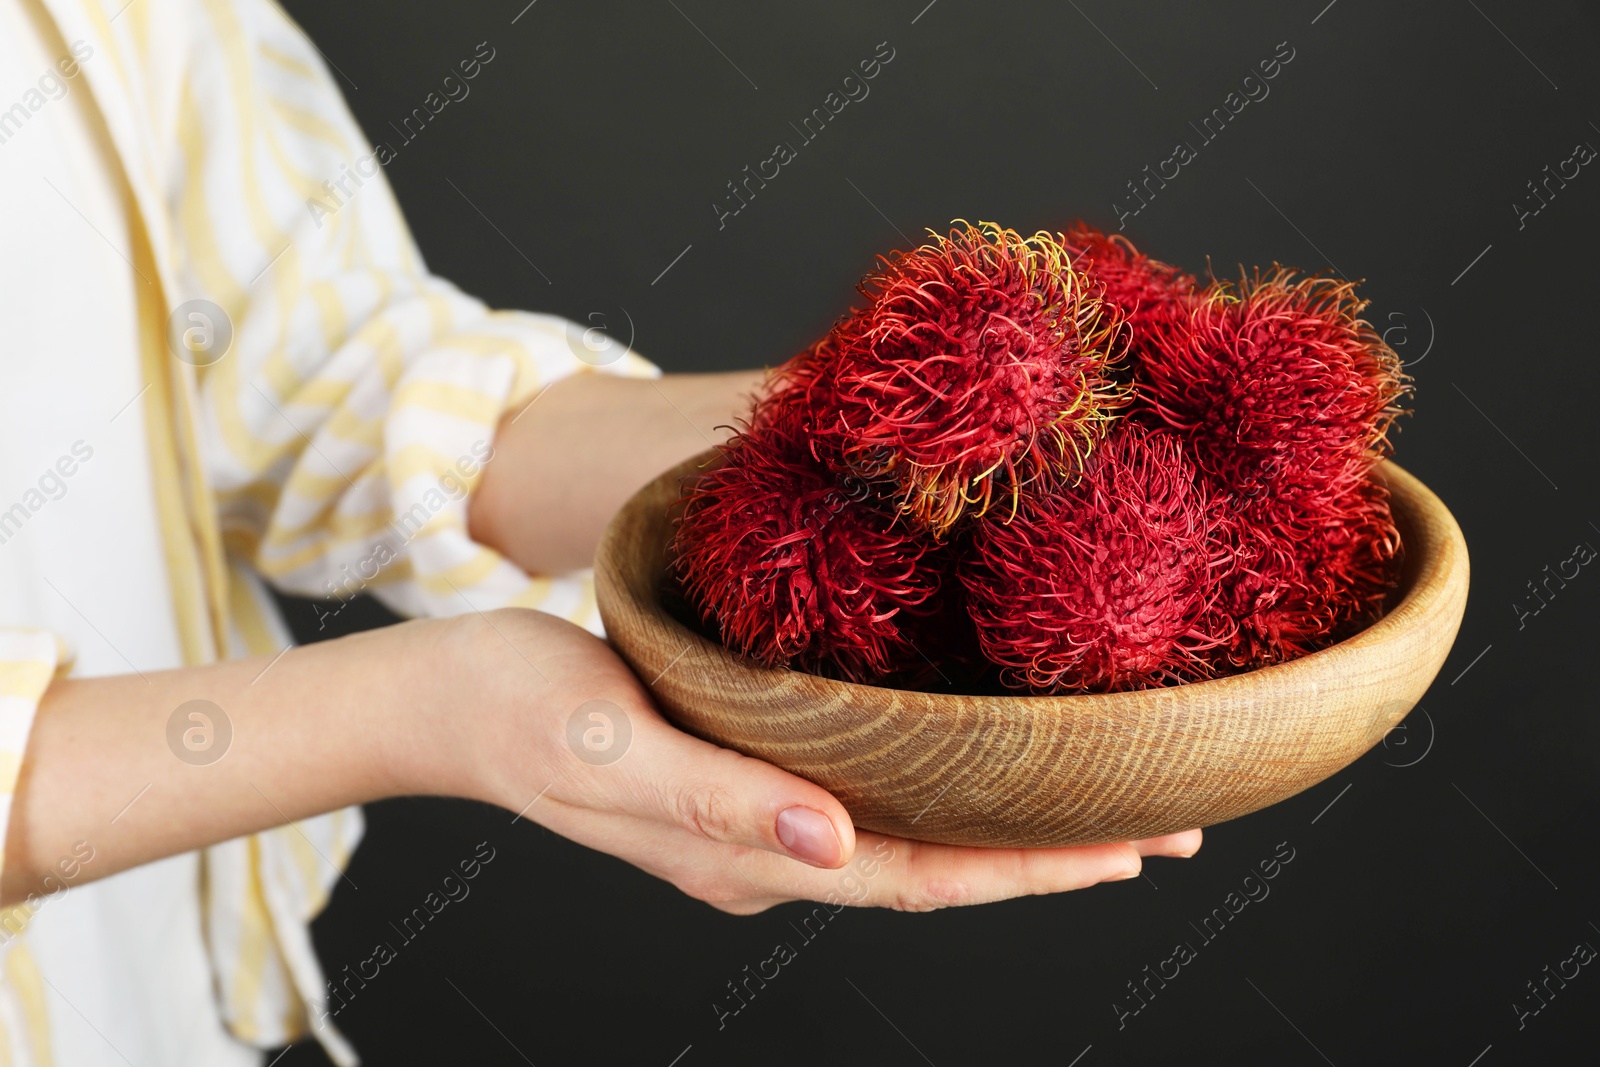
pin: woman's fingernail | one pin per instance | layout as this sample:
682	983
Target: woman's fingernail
809	834
1123	876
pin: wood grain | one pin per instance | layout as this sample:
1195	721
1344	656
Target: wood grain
1045	771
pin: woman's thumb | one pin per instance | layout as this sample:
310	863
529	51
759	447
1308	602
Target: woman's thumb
733	799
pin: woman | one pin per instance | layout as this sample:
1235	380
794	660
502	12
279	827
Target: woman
226	364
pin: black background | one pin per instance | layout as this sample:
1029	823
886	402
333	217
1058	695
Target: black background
1394	144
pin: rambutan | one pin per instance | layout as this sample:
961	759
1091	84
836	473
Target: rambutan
1286	392
1105	583
1147	293
1288	597
945	484
1287	396
979	363
794	565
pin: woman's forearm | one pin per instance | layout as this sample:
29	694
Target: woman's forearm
139	767
565	464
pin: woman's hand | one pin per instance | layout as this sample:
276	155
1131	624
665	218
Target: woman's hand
735	832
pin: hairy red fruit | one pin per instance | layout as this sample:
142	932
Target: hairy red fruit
1148	294
1287	396
1287	597
1105	584
1232	520
1286	392
794	566
979	363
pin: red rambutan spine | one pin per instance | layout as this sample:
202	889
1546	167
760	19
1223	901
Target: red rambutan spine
1105	584
795	566
1147	293
980	362
1288	396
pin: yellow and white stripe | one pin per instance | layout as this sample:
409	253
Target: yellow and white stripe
353	410
29	661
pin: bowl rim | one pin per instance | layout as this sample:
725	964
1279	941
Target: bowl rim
1434	550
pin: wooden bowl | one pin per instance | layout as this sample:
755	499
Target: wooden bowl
1044	771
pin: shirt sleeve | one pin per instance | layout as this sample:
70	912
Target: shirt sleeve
29	661
355	406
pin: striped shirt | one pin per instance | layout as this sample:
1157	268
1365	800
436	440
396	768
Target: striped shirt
305	406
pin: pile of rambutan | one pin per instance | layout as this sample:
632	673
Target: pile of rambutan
1055	464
